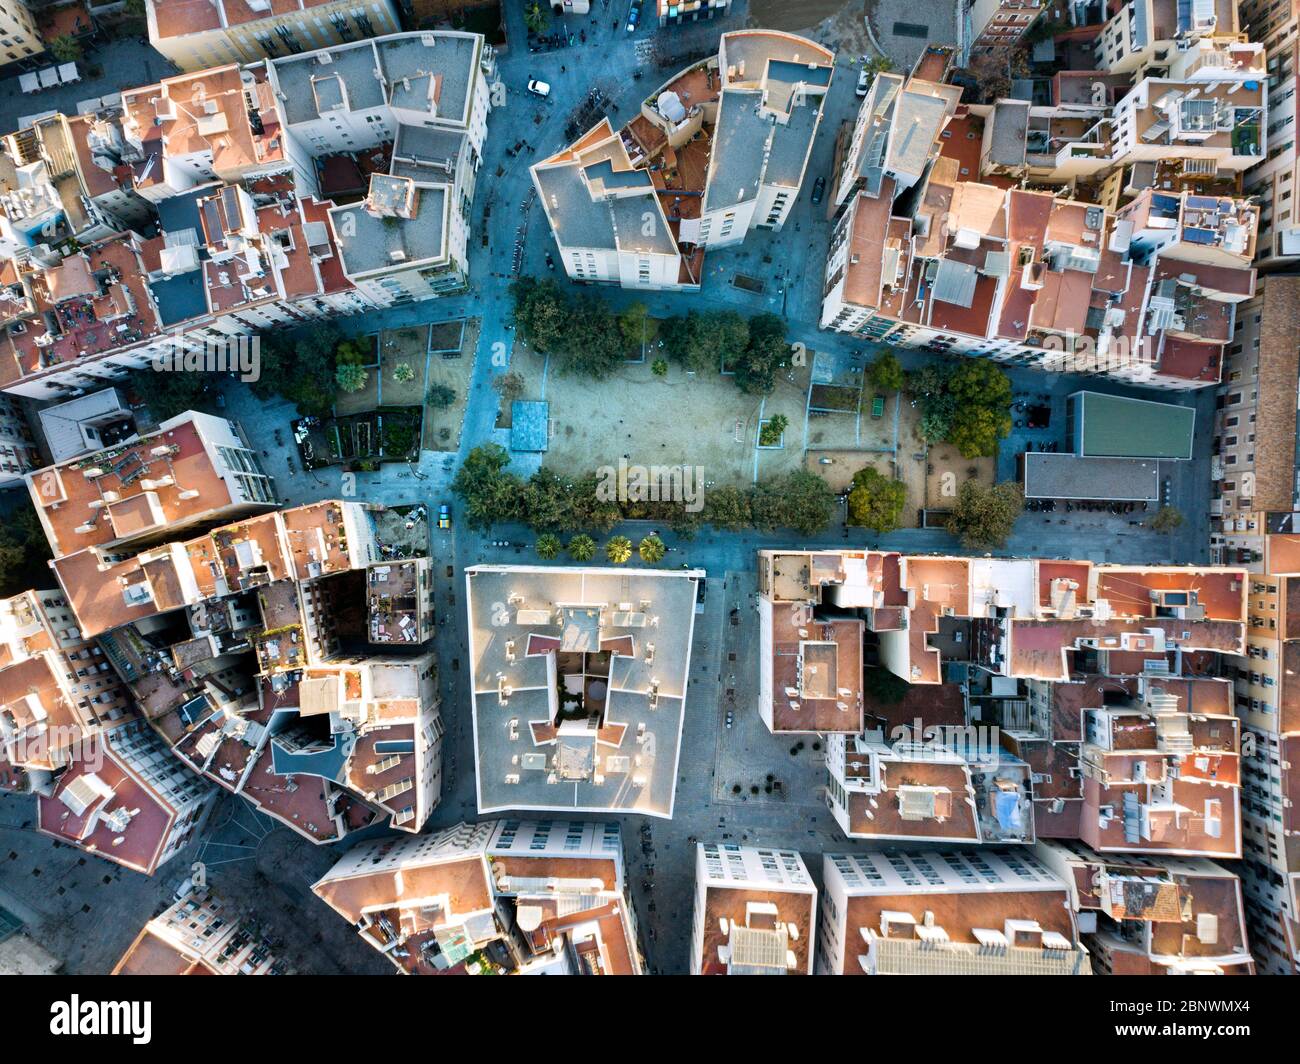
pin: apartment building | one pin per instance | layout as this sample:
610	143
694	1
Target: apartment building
718	150
399	601
200	934
1147	296
18	451
755	912
64	176
1267	545
996	26
89	423
95	510
1273	24
57	690
580	678
1124	655
811	654
20	37
497	897
1146	33
197	34
225	161
423	98
235	657
126	799
1153	915
1257	402
932	913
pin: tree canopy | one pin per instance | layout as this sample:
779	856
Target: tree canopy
983	517
968	404
886	373
876	501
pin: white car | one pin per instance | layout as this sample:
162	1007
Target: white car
539	88
864	80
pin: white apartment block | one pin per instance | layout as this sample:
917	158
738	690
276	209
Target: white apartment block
431	101
755	912
717	151
930	913
506	896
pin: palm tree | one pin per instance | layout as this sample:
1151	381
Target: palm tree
652	550
548	546
582	548
351	377
618	550
535	19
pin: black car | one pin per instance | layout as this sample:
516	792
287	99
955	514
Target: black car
819	188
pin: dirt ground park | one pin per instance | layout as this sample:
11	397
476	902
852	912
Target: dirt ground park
442	353
701	420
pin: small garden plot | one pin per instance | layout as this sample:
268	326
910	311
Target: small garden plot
447	338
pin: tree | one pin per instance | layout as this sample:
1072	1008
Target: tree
975	431
652	550
927	387
24	550
878	64
404	374
983	517
591	345
659	367
299	365
582	548
773	429
440	396
590	509
876	501
168	393
548	546
636	326
981	393
541	313
766	352
799	500
509	385
351	377
66	49
990	73
1167	519
886	373
491	494
619	550
352	351
535	19
547	505
728	509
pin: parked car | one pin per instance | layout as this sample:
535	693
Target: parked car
444	516
539	88
819	188
864	81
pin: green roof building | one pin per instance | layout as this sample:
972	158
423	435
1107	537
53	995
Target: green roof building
1114	426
